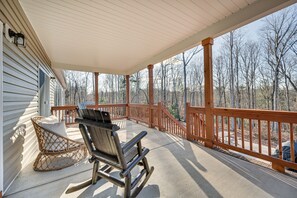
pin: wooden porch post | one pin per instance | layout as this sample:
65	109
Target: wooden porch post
127	96
96	90
208	87
151	94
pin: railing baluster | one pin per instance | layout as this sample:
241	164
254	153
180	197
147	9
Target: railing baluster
269	138
259	133
217	128
168	124
195	124
280	140
201	120
71	116
242	132
223	130
229	138
235	130
192	121
199	124
251	134
292	144
175	129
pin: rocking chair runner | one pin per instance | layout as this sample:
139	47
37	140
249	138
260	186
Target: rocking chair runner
56	151
103	144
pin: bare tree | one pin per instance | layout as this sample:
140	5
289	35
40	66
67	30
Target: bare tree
250	57
221	80
186	57
280	36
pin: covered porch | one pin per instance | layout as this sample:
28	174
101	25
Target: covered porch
183	154
182	169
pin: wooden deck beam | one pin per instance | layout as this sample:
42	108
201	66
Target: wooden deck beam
127	96
208	87
151	93
96	90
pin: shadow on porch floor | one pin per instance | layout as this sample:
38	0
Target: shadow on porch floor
182	169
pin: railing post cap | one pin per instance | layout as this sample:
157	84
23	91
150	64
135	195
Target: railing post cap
150	66
207	41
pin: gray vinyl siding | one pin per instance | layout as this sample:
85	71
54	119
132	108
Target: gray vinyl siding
20	92
20	103
53	85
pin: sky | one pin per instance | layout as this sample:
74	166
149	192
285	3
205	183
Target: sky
250	30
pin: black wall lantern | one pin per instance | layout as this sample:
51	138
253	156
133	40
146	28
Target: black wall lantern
18	38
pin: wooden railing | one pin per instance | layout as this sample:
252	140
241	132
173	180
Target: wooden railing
196	129
160	117
252	132
65	113
169	124
69	113
139	112
116	111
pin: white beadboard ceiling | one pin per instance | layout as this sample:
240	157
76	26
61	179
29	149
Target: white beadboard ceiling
124	36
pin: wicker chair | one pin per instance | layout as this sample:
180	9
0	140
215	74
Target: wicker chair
56	151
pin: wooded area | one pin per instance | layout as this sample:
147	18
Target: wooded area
253	73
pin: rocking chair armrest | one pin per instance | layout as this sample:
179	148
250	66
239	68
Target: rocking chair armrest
125	172
133	141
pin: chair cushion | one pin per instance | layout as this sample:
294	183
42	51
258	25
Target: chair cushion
57	127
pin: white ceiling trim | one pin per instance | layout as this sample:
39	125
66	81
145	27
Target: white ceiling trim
74	67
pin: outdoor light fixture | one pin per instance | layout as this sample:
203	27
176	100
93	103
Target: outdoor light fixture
18	38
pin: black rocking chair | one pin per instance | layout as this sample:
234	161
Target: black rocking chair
104	146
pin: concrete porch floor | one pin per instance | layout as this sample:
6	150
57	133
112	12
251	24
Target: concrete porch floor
182	169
